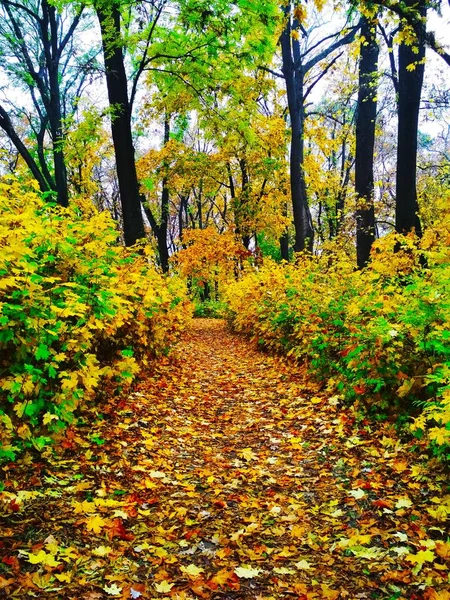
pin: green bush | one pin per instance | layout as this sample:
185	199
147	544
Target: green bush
76	310
380	335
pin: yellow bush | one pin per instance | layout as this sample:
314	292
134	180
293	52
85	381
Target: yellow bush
380	335
76	308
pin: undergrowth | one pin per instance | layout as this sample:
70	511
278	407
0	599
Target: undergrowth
77	310
379	336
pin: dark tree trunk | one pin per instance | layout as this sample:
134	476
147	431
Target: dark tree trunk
365	141
162	229
116	80
409	92
8	128
284	246
46	34
52	58
294	78
284	240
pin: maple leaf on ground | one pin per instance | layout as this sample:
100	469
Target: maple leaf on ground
43	558
357	494
248	454
164	587
4	583
403	503
102	550
421	557
64	577
113	589
95	523
192	570
223	576
247	572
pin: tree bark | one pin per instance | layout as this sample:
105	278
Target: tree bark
365	141
116	80
284	241
410	80
51	50
8	128
162	229
292	69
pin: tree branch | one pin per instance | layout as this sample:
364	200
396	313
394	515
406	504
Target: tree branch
347	39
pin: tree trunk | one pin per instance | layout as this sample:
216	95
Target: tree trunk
284	239
293	74
162	229
365	141
116	80
51	50
409	92
8	128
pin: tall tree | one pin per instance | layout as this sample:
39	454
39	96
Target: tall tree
297	62
411	66
37	41
109	18
365	141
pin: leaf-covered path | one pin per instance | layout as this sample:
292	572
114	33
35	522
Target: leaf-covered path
225	475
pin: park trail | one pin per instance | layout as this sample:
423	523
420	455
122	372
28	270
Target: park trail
226	474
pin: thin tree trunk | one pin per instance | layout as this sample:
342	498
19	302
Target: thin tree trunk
294	76
284	239
52	58
410	80
8	128
365	141
162	229
116	80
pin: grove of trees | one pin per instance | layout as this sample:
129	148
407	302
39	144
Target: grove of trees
269	119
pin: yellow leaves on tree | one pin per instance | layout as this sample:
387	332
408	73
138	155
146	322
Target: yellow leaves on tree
209	256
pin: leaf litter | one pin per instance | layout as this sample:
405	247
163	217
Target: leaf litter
225	474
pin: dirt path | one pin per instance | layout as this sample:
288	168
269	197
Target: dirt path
225	476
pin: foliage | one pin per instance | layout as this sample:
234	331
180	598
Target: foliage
209	258
76	310
379	336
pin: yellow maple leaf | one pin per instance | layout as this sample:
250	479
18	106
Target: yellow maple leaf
403	503
164	587
83	507
222	576
303	564
192	570
95	523
283	571
35	559
102	550
247	572
43	558
440	435
247	454
48	418
421	557
113	589
64	577
443	550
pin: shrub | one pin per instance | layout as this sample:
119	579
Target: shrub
76	310
380	335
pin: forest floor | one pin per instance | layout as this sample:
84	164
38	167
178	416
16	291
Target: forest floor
225	474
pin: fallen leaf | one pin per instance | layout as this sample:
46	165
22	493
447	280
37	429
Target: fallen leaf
247	572
164	587
95	523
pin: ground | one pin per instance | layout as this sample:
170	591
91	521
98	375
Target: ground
225	474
